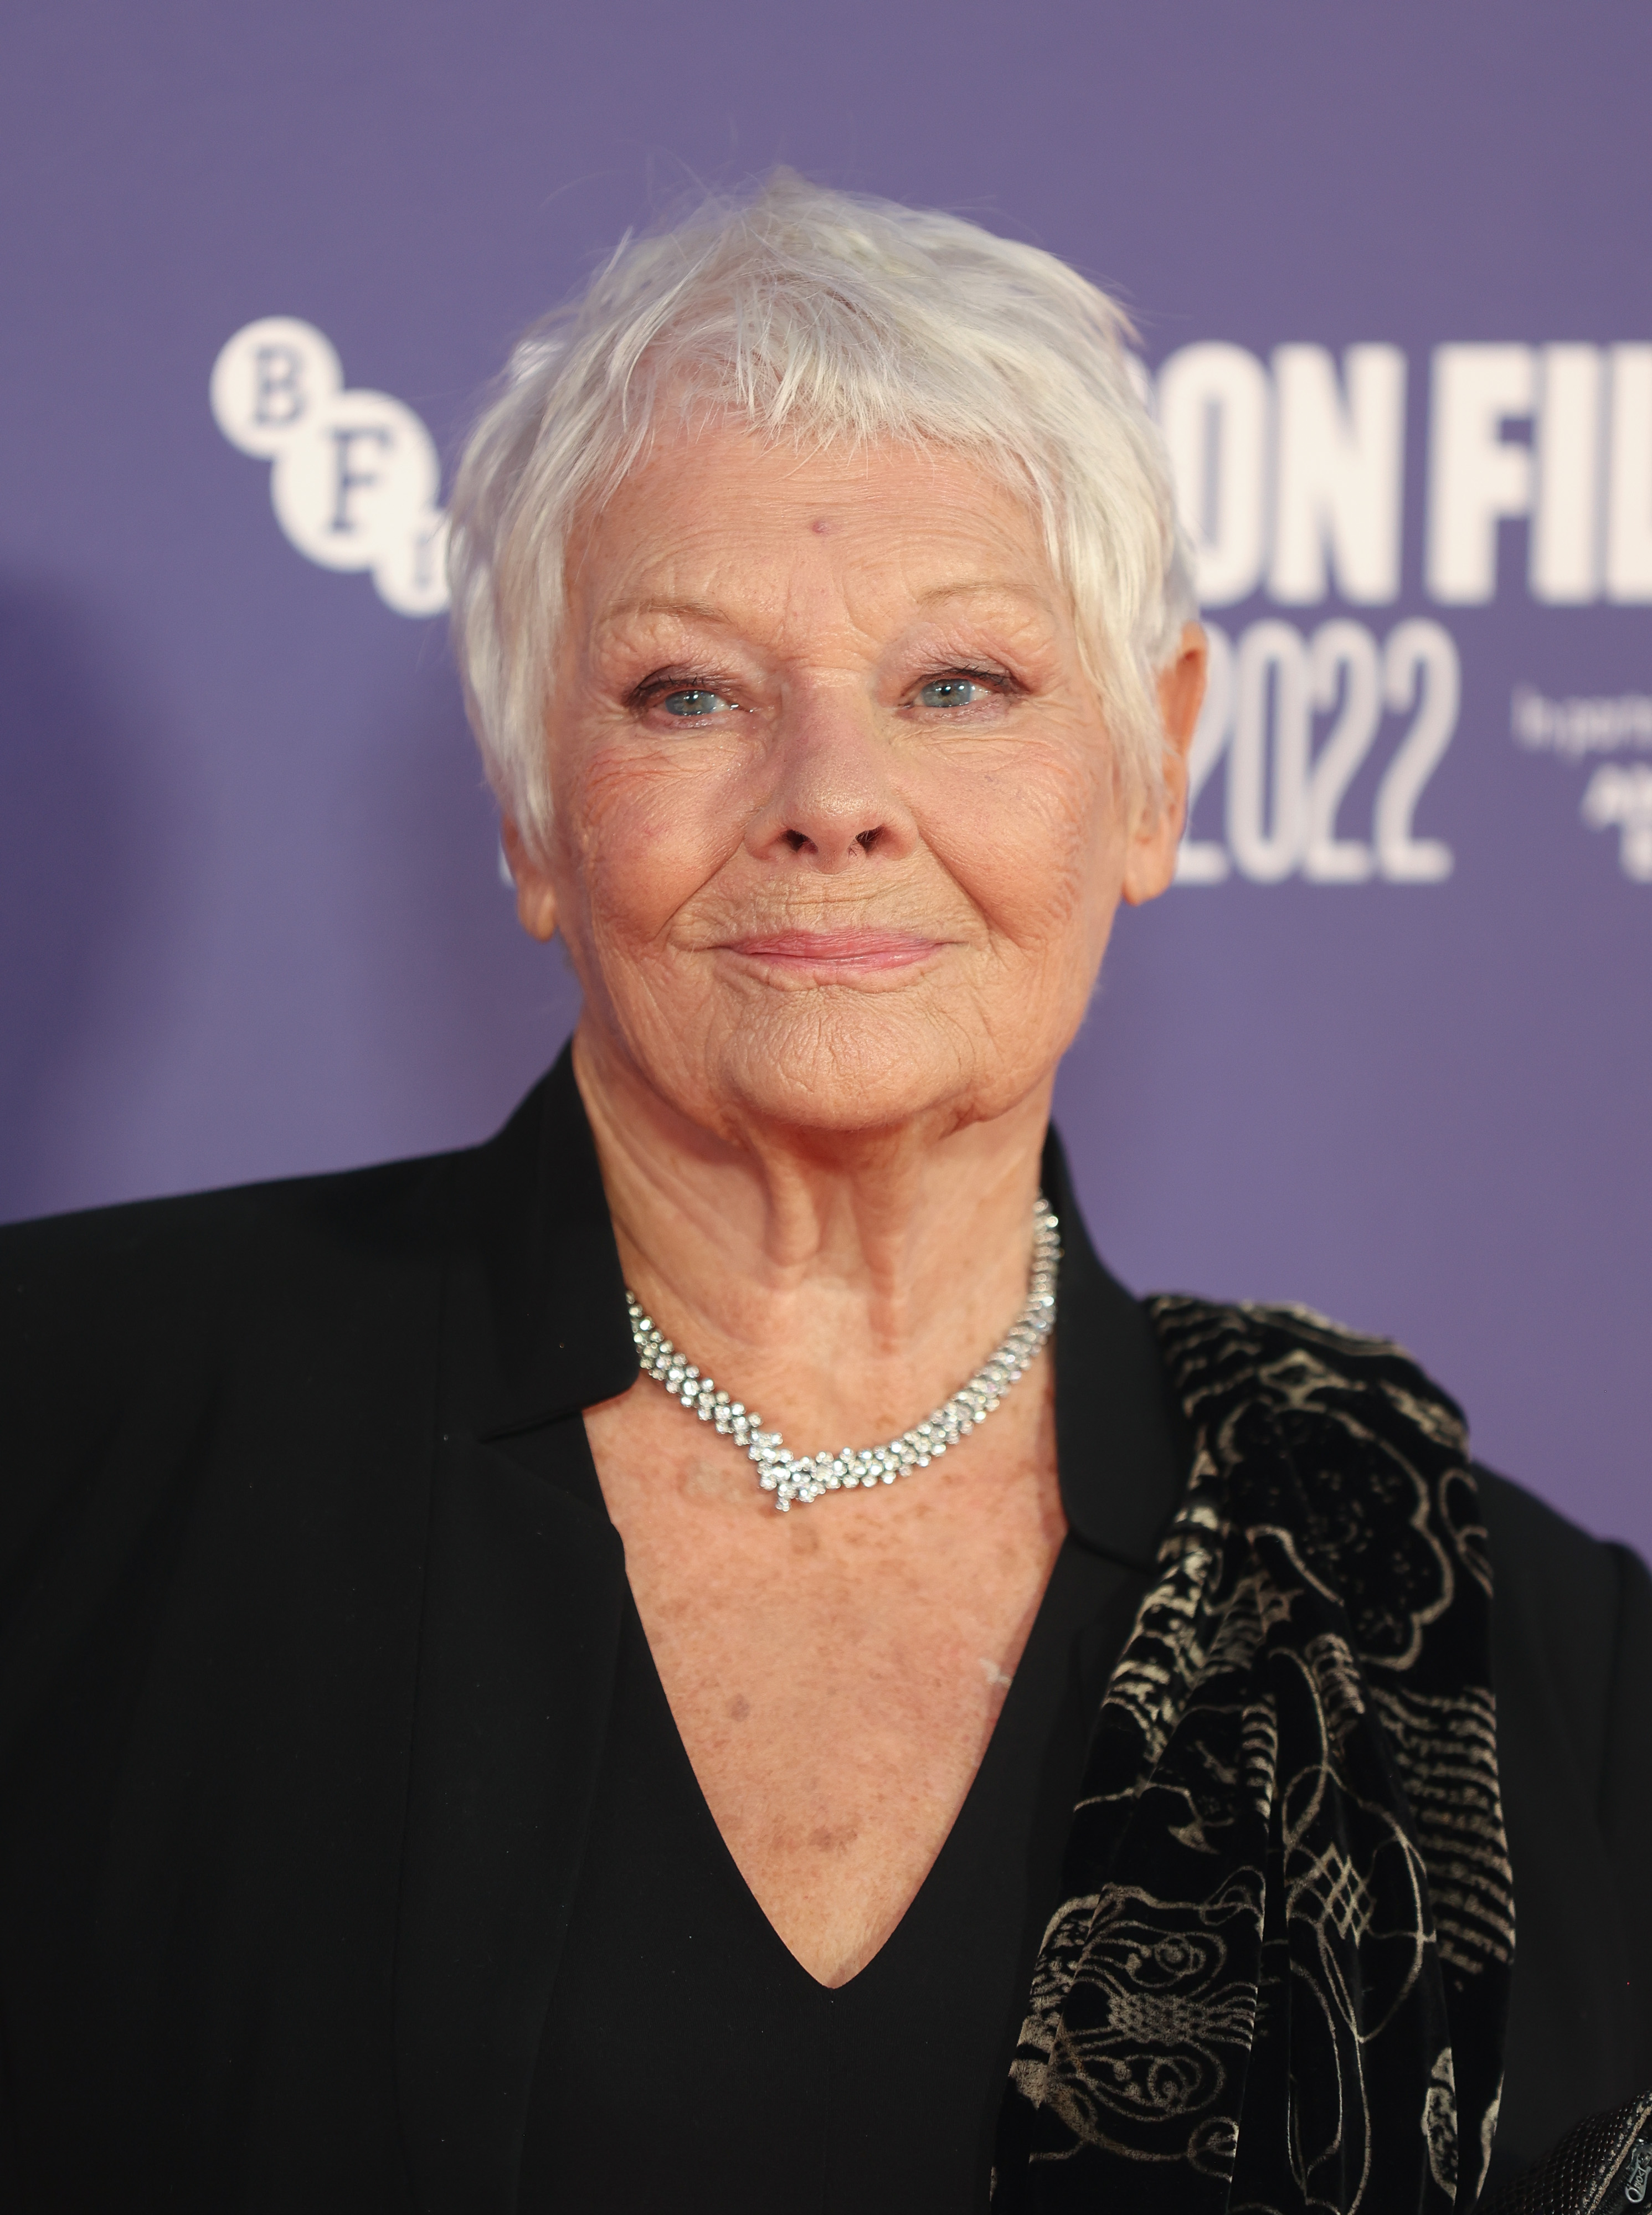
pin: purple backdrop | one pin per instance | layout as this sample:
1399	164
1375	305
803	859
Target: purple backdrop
252	918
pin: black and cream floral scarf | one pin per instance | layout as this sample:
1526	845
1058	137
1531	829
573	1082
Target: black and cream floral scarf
1277	1980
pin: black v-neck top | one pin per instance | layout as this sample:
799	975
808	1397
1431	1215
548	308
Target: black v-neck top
688	2058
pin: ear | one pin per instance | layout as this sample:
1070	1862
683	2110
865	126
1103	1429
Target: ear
535	897
1151	863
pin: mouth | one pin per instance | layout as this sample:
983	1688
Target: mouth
824	954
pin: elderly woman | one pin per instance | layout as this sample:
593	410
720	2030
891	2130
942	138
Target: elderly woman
437	1777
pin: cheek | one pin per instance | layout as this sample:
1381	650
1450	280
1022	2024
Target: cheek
636	837
1037	845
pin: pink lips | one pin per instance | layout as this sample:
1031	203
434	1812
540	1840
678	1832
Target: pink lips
857	950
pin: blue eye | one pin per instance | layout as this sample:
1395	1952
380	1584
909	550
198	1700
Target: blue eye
694	700
950	692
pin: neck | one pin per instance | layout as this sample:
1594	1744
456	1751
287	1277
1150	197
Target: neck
845	1284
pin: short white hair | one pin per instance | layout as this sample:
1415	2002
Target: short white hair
819	317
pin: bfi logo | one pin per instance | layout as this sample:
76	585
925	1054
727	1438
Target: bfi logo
354	475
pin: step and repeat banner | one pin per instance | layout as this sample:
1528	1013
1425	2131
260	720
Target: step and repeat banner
1385	1048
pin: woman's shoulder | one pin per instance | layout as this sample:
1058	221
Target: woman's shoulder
1206	1330
137	1335
188	1225
1573	1613
331	1220
1569	1593
68	1281
1291	1357
1306	1378
1567	1569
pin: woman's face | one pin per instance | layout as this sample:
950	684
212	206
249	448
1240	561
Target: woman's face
838	840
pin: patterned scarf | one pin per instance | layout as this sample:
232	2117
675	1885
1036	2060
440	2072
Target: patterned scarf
1278	1977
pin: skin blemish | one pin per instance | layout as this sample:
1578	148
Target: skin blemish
739	1707
819	526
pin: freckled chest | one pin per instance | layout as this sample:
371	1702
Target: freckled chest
834	1674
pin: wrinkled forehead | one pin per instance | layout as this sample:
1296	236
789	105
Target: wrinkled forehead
718	520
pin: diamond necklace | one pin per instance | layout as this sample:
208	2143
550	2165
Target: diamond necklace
807	1477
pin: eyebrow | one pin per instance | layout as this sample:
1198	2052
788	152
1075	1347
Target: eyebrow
998	588
704	611
698	610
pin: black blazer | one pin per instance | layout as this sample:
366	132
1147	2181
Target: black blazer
303	1683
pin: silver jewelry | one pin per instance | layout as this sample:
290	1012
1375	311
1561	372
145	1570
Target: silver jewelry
805	1479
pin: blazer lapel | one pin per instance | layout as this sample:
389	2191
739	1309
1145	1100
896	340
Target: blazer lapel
524	1583
517	1658
1116	1416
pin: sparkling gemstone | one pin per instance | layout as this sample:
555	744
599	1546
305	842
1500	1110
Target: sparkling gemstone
806	1476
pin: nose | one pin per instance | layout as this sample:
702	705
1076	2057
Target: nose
833	803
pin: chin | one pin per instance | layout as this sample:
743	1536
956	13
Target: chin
847	1070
